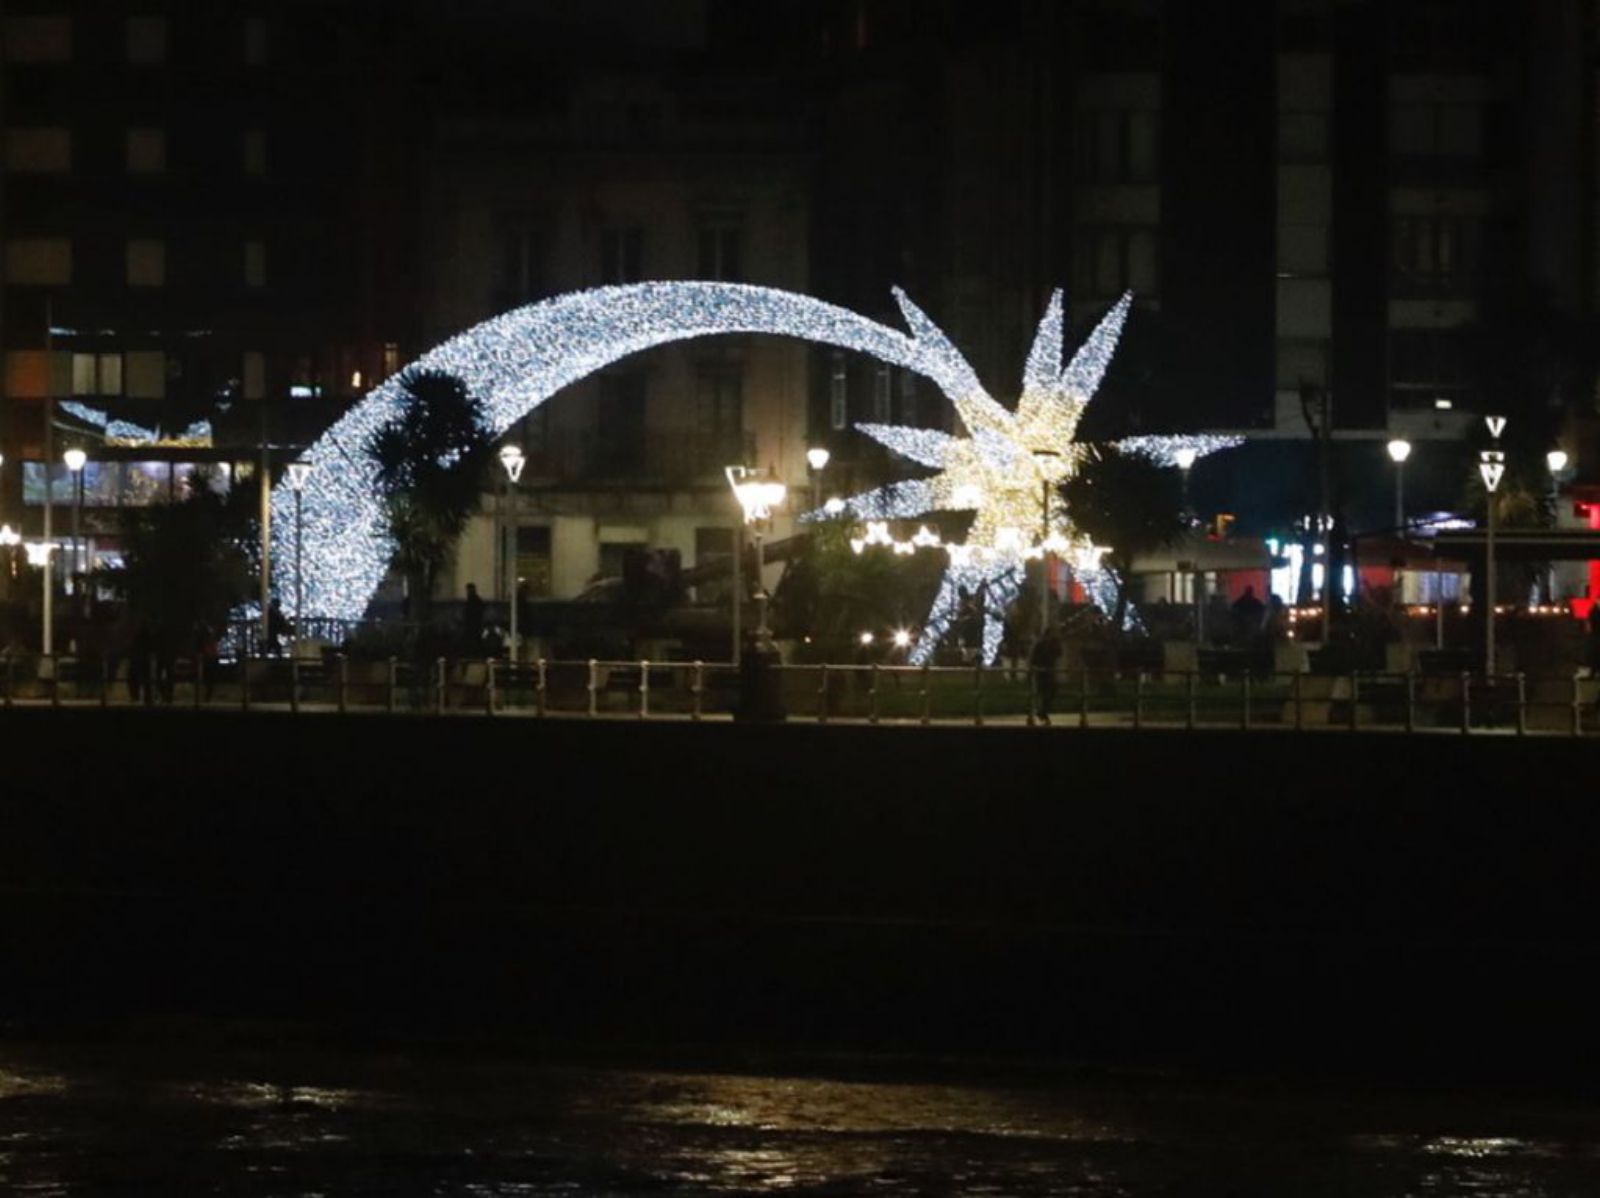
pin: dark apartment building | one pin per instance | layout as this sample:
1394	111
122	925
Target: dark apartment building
199	220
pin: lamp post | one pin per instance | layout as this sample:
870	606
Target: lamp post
1045	460
1556	460
1185	457
1491	469
512	460
76	460
758	492
298	472
817	459
1399	451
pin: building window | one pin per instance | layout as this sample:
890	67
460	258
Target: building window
391	359
255	264
147	40
39	151
97	374
531	561
1436	130
838	391
39	261
622	256
38	39
145	374
255	152
1117	146
1435	253
1302	362
722	253
1429	364
1111	260
255	375
255	41
882	393
147	151
719	413
521	263
619	420
147	263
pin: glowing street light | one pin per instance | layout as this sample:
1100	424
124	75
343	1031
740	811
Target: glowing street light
1491	469
512	460
1399	451
758	492
76	459
817	458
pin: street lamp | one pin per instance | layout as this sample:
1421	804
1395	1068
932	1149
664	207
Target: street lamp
758	492
1186	457
817	459
1399	451
298	472
1556	460
512	460
76	459
1491	468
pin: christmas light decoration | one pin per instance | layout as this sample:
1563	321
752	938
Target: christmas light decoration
1007	469
124	432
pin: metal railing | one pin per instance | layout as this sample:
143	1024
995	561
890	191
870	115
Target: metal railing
1513	704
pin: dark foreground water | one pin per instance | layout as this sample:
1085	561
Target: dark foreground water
202	1112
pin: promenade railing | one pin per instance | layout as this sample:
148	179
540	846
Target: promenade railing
1461	703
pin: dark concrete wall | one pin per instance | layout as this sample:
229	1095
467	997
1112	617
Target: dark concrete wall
1086	893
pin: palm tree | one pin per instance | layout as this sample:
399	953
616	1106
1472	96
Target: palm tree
1128	504
431	462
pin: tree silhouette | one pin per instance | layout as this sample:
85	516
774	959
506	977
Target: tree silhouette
1129	504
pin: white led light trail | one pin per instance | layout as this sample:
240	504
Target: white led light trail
1000	470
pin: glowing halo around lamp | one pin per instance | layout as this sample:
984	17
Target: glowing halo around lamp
514	362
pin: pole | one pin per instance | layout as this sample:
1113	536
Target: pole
736	575
511	561
1044	560
47	634
1399	496
761	592
1488	593
78	570
265	489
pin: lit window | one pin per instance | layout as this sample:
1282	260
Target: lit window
391	358
38	39
97	374
255	264
147	263
255	152
147	40
838	392
147	151
255	41
39	151
40	261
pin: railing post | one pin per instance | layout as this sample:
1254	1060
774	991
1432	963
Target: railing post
1138	699
488	686
594	685
1577	703
344	683
1190	683
244	683
977	694
105	681
1466	703
394	670
55	680
199	678
822	695
927	693
872	694
1083	696
294	684
1522	703
644	690
697	688
1033	694
1244	695
538	695
11	677
438	686
1355	700
1411	701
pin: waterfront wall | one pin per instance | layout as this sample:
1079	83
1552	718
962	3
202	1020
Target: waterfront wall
1082	893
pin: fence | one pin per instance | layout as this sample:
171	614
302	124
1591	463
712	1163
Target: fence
874	694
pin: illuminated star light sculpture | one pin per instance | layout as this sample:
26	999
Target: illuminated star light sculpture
1008	470
516	361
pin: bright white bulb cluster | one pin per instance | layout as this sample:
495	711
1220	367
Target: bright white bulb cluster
1172	450
1007	469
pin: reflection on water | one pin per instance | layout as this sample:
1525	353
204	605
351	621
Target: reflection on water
296	1120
